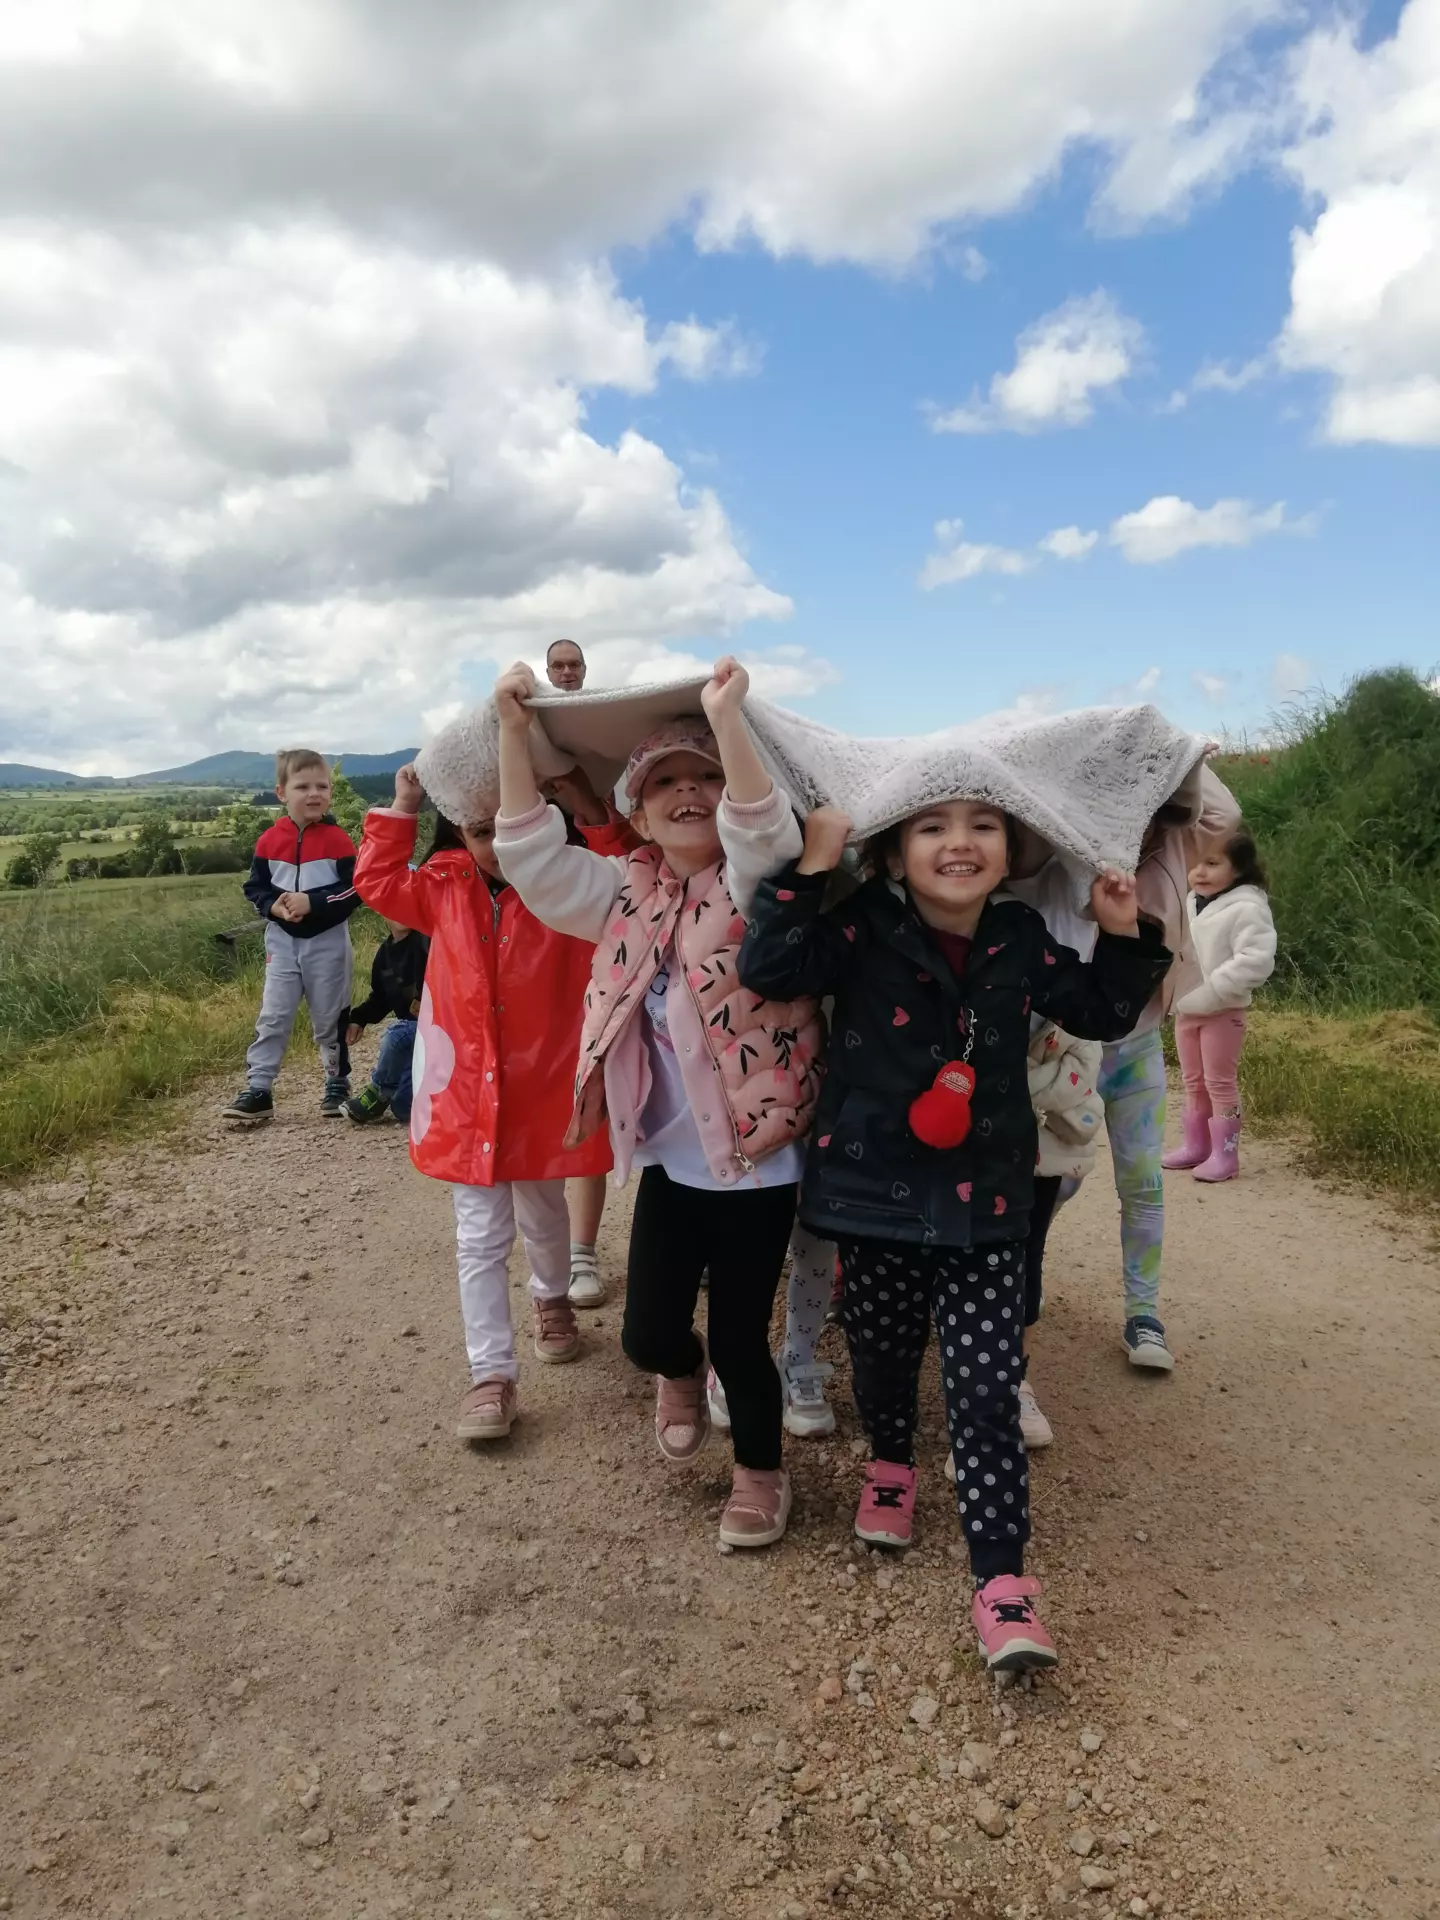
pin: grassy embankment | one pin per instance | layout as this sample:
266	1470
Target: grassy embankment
1344	1046
113	994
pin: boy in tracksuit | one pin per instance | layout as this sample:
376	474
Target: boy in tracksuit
302	882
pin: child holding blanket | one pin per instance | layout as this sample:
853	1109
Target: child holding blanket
922	1163
708	1088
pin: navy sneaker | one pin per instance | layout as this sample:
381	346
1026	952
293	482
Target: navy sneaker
332	1101
1145	1343
250	1108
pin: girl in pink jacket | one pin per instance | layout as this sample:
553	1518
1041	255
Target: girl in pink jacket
706	1087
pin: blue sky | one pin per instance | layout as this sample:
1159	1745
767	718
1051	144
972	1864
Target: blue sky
348	353
834	481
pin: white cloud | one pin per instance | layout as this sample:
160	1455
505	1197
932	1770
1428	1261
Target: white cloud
1068	543
1167	526
1290	676
1215	686
1365	284
957	559
1085	347
973	264
1218	376
1141	687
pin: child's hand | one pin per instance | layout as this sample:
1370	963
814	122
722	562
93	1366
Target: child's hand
826	831
1112	901
574	792
299	905
408	791
282	908
724	693
352	1033
512	690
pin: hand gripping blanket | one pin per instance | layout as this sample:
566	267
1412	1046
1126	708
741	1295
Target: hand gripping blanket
1085	783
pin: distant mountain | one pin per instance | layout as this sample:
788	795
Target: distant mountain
216	770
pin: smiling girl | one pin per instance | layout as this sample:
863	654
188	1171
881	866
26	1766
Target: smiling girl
708	1089
922	1161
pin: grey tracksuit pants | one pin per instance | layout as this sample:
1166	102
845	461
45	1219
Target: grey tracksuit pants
317	971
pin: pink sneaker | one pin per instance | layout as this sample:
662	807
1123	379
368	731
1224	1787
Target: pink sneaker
682	1416
758	1507
886	1514
557	1336
1011	1638
1194	1141
488	1411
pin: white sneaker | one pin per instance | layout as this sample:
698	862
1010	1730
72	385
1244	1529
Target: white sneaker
587	1289
719	1405
1033	1424
806	1409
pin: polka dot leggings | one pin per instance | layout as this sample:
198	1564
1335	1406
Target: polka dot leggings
977	1298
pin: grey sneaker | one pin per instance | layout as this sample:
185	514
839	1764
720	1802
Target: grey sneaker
332	1101
251	1108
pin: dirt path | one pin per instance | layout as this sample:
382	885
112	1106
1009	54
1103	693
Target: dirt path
274	1644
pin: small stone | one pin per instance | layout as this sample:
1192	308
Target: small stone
316	1836
409	1331
196	1779
725	1741
310	1798
808	1780
766	1816
634	1709
788	1758
792	1910
1091	1740
633	1858
209	1801
271	1818
626	1757
1096	1879
1010	1738
978	1759
701	1717
990	1818
1082	1841
1139	1907
831	1690
924	1710
539	1833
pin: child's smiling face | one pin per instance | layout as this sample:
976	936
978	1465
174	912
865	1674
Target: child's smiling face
952	857
679	810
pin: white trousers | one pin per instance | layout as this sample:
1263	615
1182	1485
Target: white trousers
485	1222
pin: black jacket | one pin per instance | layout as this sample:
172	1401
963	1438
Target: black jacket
397	975
900	1015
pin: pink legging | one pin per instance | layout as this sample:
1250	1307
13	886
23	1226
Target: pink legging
1209	1048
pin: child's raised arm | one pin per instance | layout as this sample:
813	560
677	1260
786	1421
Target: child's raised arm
757	822
791	949
384	878
569	888
1104	999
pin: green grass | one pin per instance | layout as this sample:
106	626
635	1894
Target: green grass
115	993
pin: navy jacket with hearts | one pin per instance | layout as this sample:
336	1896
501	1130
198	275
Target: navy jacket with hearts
900	1015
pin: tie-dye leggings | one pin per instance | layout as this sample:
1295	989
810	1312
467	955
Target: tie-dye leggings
1132	1085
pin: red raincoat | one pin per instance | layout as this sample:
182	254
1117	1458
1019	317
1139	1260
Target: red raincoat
499	1027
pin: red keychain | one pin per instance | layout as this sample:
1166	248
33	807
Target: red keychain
941	1115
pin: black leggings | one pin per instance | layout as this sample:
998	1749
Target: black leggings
976	1296
741	1235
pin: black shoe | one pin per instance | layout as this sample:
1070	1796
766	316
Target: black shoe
250	1108
332	1101
367	1105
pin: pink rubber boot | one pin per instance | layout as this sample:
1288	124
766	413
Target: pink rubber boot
1224	1161
1194	1141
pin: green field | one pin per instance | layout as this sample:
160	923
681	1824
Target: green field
114	993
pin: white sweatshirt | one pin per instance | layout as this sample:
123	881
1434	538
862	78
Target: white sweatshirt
1233	939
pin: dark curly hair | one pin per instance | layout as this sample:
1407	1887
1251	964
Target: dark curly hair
876	850
1244	856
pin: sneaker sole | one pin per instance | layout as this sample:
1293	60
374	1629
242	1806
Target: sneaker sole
248	1119
882	1539
766	1539
586	1301
552	1358
1021	1656
1151	1359
809	1425
1039	1443
464	1431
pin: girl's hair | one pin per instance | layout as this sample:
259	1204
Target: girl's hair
876	851
449	839
1244	856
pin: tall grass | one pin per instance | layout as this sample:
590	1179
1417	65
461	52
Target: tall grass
114	994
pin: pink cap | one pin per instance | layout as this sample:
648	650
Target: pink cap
677	736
